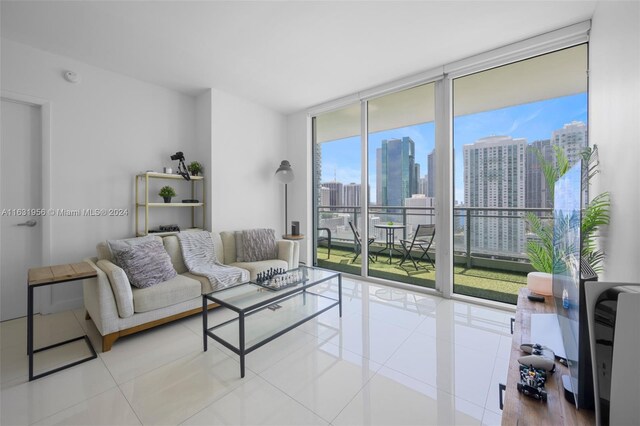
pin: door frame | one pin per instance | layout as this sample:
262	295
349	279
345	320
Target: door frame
44	300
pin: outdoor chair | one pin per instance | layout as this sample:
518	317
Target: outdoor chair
357	243
327	239
421	241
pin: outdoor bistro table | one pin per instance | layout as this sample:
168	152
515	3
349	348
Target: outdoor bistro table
390	240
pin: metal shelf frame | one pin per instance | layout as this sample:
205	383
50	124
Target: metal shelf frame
144	178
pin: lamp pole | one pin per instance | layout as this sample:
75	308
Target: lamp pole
285	175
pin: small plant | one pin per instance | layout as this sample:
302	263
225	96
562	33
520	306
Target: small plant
194	168
167	192
390	223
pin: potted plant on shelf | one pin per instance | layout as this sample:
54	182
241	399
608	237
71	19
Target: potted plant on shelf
166	192
194	168
596	213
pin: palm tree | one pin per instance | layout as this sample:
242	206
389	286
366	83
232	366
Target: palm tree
595	214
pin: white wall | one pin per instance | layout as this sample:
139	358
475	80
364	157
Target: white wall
300	193
614	125
248	143
104	130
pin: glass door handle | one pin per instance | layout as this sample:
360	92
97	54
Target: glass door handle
30	223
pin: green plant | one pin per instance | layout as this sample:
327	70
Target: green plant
595	214
194	168
167	191
390	223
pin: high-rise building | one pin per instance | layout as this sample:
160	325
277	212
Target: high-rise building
431	173
351	196
335	193
317	170
325	196
395	177
536	190
494	176
422	213
423	184
572	138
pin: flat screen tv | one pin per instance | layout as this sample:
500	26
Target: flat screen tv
569	275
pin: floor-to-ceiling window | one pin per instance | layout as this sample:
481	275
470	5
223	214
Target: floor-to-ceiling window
378	182
401	175
506	119
337	167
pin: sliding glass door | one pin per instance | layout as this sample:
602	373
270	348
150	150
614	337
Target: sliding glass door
506	120
379	186
337	166
401	177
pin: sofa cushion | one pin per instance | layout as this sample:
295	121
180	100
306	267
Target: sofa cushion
145	264
239	247
106	251
258	244
172	246
217	246
255	268
229	244
167	293
120	287
205	284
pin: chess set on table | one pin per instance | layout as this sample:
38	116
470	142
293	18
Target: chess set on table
278	278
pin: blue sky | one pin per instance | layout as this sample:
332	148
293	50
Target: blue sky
532	121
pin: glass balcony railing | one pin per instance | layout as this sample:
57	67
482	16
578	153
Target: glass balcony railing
489	246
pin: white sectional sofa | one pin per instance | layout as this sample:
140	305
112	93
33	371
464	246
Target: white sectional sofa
119	309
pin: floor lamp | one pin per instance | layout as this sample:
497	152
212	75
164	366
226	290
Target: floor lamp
285	175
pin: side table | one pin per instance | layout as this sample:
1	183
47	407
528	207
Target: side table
51	275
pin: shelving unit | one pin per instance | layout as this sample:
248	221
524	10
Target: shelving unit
144	178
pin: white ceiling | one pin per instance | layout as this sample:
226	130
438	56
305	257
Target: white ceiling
286	55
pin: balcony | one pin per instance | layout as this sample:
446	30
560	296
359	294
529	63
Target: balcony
483	267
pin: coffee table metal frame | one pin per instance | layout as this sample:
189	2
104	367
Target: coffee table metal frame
277	297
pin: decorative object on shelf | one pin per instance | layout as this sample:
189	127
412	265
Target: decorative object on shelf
168	170
182	169
285	175
145	204
166	192
277	279
194	168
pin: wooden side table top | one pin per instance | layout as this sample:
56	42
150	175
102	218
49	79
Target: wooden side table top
293	237
522	410
60	273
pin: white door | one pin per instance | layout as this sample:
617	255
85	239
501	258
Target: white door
20	191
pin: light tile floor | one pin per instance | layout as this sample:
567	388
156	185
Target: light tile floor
394	358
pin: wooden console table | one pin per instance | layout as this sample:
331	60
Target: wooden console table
50	275
523	410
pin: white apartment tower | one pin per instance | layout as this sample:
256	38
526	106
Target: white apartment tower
494	176
351	194
572	138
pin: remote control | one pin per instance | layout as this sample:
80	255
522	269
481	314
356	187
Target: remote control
535	298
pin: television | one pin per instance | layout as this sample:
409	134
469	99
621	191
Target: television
570	272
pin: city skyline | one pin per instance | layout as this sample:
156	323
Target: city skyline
532	121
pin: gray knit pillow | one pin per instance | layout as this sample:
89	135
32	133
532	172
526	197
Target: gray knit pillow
239	247
259	244
145	264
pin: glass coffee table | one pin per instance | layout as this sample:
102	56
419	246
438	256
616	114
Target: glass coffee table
264	314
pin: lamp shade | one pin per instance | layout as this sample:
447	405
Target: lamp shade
285	172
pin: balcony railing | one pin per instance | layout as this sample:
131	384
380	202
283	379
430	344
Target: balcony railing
490	236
